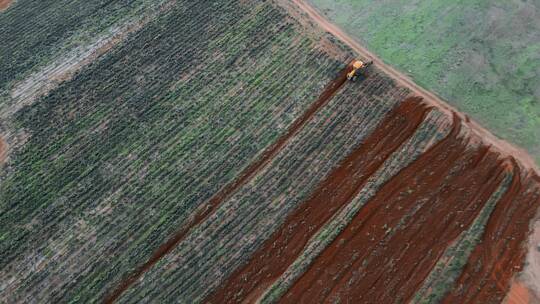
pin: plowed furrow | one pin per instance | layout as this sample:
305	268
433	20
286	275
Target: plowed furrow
284	246
500	255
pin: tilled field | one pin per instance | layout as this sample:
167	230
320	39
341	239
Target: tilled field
235	163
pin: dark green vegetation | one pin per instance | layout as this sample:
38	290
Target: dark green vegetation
34	31
118	158
482	56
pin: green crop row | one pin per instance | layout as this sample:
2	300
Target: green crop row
119	157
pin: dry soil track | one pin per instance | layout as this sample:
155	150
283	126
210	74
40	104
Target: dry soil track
523	157
4	4
390	247
337	190
391	227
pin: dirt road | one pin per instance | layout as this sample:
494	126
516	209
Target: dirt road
502	146
286	244
4	4
213	204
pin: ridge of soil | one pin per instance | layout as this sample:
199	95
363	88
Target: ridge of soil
4	4
3	150
212	205
281	249
405	228
500	255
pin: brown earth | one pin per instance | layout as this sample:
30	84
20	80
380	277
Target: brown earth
392	244
501	253
212	205
504	147
4	4
339	188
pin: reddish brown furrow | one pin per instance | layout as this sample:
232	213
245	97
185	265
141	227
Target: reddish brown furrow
500	255
4	4
2	151
391	245
342	184
211	206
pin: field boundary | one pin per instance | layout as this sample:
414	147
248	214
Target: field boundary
213	204
501	146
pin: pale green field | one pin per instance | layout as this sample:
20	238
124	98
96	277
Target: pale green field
482	56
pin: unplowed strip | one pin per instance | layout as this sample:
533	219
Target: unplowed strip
499	256
287	243
2	151
391	245
524	158
211	206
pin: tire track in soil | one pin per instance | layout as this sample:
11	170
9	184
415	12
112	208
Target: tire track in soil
405	228
338	188
490	268
212	205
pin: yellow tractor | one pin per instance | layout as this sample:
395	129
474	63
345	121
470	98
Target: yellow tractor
358	67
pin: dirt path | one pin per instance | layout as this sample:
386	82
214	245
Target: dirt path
213	204
4	4
518	294
285	245
2	151
504	147
395	240
501	253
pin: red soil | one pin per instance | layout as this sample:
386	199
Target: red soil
518	294
487	276
392	244
286	244
390	247
4	4
212	205
500	145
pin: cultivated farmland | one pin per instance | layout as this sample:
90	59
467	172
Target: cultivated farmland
216	153
483	56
